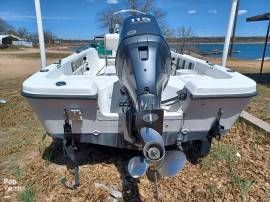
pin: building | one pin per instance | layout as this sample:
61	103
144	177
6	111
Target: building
9	40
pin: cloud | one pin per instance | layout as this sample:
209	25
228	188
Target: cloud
112	1
15	16
242	12
60	18
12	16
191	12
214	11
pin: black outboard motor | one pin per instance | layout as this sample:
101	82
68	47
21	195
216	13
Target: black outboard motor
143	65
143	61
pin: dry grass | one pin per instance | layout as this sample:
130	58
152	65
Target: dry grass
260	105
19	126
27	195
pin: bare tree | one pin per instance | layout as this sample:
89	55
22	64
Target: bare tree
184	33
107	19
168	31
22	32
144	6
5	28
49	37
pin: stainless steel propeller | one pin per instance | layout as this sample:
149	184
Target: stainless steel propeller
137	166
166	163
2	101
173	162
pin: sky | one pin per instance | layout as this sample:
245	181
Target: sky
77	19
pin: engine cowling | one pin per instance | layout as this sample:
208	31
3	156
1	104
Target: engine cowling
143	61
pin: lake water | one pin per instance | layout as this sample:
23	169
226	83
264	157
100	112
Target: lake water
247	51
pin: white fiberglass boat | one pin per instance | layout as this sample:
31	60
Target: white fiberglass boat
136	93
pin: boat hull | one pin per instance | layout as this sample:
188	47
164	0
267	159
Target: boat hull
94	128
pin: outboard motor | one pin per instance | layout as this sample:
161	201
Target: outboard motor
143	65
143	61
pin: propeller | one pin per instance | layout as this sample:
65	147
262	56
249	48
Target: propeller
2	101
137	166
173	162
167	163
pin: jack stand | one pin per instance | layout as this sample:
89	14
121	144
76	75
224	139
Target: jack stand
69	155
216	128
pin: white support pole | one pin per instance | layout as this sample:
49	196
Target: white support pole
40	34
229	32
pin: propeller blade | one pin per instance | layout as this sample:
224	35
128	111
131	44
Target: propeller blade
173	162
3	101
137	166
149	134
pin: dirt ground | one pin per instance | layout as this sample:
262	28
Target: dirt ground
237	169
12	65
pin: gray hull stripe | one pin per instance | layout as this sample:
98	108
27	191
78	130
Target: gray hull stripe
246	95
47	96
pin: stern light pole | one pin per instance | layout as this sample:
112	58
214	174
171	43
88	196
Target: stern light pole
40	34
229	32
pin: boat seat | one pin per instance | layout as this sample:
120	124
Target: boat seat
111	41
108	102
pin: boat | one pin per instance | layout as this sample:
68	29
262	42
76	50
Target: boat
215	52
130	90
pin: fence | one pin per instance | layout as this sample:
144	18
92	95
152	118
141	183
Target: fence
22	43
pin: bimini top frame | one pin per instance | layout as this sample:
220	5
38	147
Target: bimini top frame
262	17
